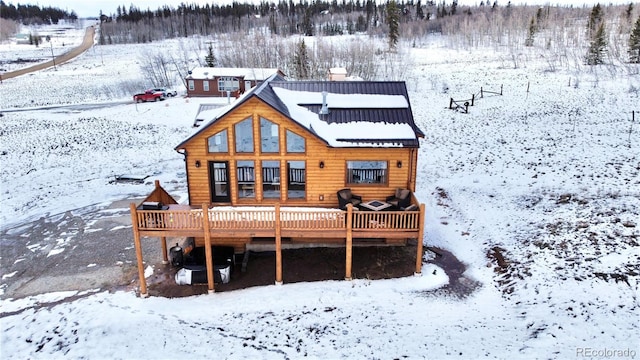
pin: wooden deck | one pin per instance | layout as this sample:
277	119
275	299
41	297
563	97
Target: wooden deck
293	222
304	224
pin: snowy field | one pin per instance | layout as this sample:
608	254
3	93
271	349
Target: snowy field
537	191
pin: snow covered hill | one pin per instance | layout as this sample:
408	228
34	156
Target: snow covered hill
536	190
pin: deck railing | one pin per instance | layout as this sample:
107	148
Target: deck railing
264	219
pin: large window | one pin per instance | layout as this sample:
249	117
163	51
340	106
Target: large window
244	136
295	143
191	84
271	179
205	85
228	84
366	172
218	142
296	179
269	136
246	179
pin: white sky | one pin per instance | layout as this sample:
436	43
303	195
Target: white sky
92	8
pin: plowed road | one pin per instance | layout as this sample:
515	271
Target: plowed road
87	42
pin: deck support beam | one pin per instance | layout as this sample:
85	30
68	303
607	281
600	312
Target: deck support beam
278	246
419	244
208	251
138	245
163	244
349	243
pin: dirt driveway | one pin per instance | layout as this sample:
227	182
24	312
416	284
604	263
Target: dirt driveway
86	44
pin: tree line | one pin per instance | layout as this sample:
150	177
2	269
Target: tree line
272	34
34	15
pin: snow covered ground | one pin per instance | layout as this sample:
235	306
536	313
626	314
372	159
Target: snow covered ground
537	191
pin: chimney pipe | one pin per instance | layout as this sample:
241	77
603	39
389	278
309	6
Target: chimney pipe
324	110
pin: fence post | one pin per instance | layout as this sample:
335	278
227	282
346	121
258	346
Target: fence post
473	98
501	88
450	103
481	94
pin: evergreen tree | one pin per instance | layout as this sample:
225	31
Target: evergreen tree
301	62
272	25
594	19
628	13
598	47
393	18
532	33
634	43
361	24
419	11
210	59
307	23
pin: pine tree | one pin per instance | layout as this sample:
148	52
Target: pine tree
301	61
634	43
393	19
210	59
628	13
419	11
598	47
307	23
532	33
594	19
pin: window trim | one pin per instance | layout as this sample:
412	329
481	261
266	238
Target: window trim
224	79
304	151
277	151
226	131
385	173
235	137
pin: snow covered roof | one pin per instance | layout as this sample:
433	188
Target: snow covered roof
360	113
257	74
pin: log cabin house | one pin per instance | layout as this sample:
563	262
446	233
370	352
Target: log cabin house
223	82
268	167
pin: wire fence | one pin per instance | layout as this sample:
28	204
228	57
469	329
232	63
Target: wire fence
463	105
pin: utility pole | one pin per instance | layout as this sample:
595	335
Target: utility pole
53	56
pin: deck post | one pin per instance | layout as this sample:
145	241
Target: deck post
278	246
208	252
138	245
163	244
420	236
349	243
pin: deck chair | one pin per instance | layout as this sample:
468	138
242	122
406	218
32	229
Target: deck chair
400	199
345	196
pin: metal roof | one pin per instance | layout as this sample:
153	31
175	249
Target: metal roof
386	115
404	115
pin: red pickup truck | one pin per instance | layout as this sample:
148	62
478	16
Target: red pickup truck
148	95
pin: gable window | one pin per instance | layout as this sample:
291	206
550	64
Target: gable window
205	85
228	84
295	143
296	179
366	172
271	179
246	179
244	136
218	142
269	136
191	84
